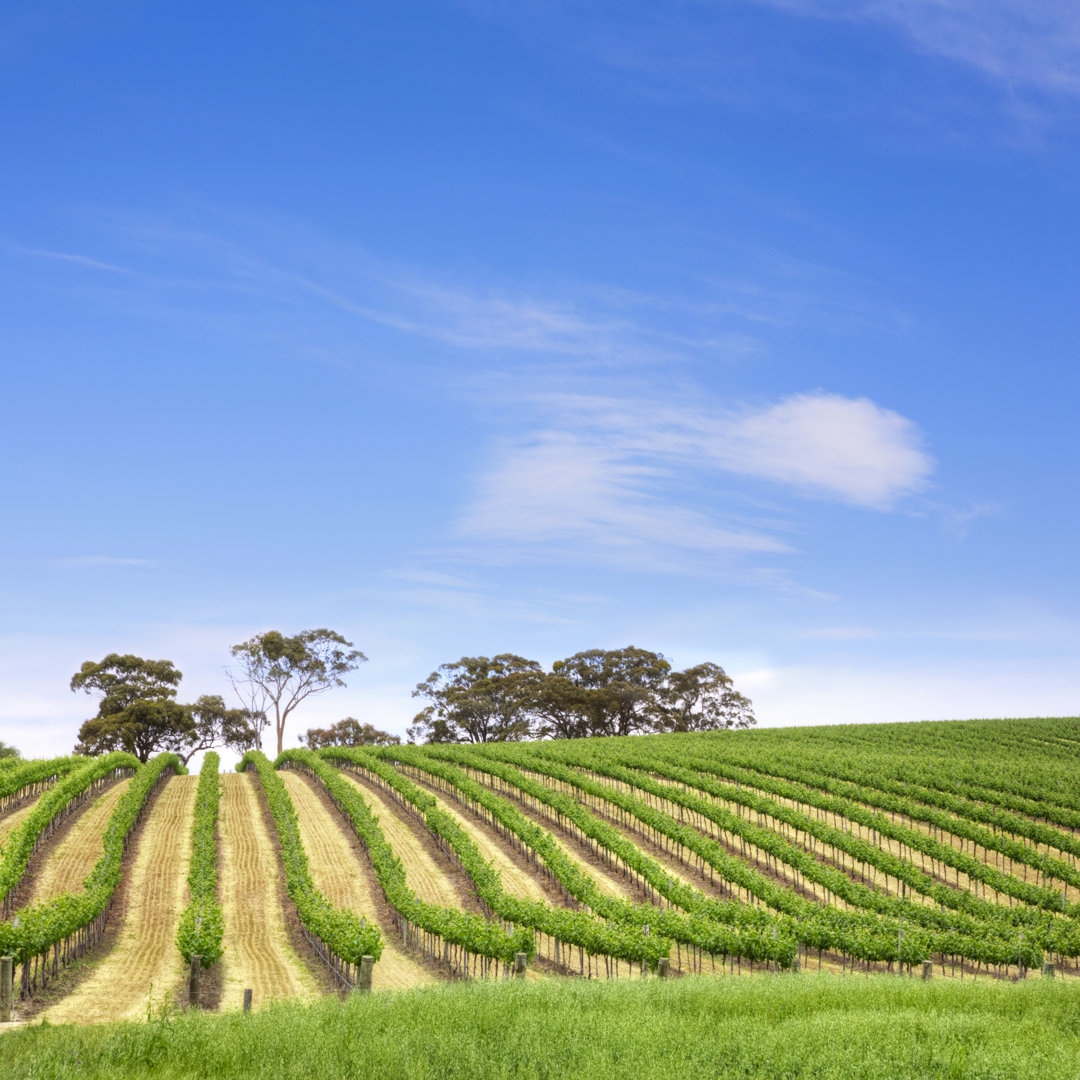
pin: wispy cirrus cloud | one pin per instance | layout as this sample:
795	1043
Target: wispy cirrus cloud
573	491
637	480
243	269
105	561
953	68
841	633
76	260
280	279
1016	41
825	445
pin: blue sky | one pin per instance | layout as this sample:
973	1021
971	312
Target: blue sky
742	331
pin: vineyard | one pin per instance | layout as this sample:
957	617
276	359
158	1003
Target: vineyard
944	851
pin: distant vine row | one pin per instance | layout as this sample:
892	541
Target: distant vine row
202	926
53	932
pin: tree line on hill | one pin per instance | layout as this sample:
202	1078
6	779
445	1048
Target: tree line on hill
592	693
475	699
138	710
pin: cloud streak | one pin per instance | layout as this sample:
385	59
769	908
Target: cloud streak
105	561
298	274
827	57
275	279
635	480
75	260
1015	41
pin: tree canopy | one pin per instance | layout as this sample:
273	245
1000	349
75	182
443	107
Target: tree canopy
615	689
7	750
348	732
144	728
477	699
276	673
592	693
123	680
701	698
137	711
215	724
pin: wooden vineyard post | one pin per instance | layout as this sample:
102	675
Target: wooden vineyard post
7	989
195	981
662	966
1048	969
363	982
520	960
247	1000
927	969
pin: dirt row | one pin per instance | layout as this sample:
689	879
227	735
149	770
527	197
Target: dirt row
143	965
345	877
67	865
259	954
13	819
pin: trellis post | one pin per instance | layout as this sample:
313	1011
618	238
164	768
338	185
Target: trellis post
195	981
363	982
663	966
7	989
520	960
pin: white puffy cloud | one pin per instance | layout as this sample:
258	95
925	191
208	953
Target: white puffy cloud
828	445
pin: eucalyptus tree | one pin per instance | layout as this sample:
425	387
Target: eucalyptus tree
138	711
348	732
596	692
124	679
215	724
701	698
276	673
143	728
478	699
614	690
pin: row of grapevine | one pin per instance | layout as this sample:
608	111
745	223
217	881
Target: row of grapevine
447	934
47	935
201	925
25	779
564	928
1025	778
852	809
812	926
777	816
722	930
959	910
878	785
946	815
340	936
62	799
899	929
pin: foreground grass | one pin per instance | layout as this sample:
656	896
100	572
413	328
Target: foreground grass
793	1026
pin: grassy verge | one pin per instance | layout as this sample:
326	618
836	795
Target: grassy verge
796	1026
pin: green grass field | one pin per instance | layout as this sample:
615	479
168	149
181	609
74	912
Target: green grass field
785	1026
